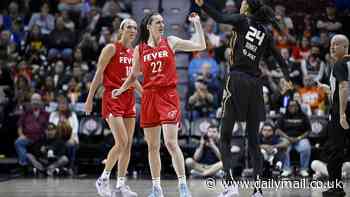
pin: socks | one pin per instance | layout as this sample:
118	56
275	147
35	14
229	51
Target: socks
156	182
120	181
182	179
105	174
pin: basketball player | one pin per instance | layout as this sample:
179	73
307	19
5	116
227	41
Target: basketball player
114	65
340	113
154	56
243	96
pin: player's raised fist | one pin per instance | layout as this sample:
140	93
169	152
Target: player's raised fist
194	17
199	2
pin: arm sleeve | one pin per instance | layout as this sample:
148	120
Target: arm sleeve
232	19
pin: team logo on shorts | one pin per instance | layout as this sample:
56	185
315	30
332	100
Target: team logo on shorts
172	114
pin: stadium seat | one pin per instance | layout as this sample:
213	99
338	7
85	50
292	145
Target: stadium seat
142	7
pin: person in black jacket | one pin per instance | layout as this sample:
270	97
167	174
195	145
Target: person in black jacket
243	95
49	154
295	126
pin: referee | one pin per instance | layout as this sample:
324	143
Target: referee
243	95
338	127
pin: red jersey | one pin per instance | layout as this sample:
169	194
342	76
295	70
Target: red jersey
158	65
118	68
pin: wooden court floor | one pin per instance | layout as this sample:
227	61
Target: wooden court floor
69	187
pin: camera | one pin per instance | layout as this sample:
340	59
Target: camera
206	138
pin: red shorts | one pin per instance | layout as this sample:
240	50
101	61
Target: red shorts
160	106
122	106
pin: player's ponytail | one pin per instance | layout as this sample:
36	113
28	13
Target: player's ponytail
144	33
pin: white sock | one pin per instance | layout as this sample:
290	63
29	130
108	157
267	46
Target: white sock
182	179
120	181
105	174
156	182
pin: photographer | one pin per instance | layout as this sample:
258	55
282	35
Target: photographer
206	159
273	148
49	154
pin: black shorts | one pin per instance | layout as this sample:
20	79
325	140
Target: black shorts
243	97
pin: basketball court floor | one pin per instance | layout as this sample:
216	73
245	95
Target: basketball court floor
68	187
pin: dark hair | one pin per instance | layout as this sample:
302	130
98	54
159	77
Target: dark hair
268	123
144	33
263	13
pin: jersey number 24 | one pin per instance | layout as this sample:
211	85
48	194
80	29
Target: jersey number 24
253	34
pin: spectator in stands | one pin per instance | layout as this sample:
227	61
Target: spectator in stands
294	68
106	37
309	27
324	43
285	21
295	126
305	108
286	24
44	20
68	23
197	63
32	125
59	76
61	41
206	159
35	45
272	147
74	90
91	19
12	16
75	6
89	47
7	46
111	8
201	102
23	93
211	81
313	67
313	95
65	115
213	38
301	51
46	89
330	21
50	153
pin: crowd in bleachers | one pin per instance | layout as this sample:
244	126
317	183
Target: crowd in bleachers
49	49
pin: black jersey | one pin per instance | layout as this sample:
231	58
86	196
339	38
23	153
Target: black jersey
340	73
250	43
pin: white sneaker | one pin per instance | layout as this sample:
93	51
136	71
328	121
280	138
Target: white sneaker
279	165
286	173
316	176
123	191
231	191
156	192
103	189
257	194
304	173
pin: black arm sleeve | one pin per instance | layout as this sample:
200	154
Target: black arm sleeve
277	55
231	19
